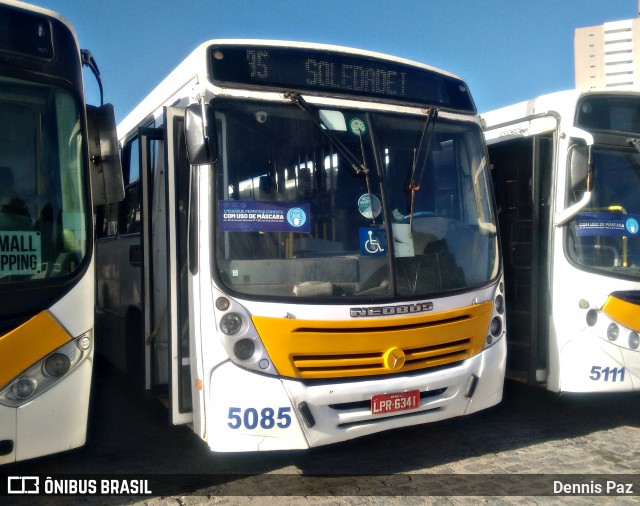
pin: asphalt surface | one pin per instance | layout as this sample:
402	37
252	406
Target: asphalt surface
514	453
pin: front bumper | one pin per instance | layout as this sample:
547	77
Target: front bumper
250	412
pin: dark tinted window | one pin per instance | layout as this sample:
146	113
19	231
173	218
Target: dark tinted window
609	112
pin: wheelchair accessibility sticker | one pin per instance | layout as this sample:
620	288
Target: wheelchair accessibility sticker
373	241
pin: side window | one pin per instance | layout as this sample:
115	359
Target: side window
132	153
107	220
129	216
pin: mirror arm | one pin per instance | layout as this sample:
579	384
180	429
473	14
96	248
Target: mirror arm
90	62
205	123
563	217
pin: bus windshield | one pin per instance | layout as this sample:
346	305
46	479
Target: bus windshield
297	217
605	236
43	215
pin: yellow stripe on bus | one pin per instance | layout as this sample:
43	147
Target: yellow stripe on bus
30	342
315	349
623	312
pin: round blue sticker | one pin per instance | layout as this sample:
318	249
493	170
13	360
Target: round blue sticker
632	225
366	209
296	217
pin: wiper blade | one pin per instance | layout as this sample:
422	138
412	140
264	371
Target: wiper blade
415	183
635	142
356	165
360	168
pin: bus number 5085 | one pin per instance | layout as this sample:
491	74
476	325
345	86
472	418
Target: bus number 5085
250	418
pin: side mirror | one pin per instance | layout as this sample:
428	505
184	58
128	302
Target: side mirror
200	135
580	168
104	157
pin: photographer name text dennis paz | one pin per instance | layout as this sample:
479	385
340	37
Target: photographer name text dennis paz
291	484
20	253
593	487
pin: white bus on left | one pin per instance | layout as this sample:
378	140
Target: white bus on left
58	157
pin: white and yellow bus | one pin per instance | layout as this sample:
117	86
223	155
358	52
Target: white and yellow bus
307	251
566	168
46	243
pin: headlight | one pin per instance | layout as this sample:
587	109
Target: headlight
244	349
592	317
612	332
239	336
496	326
24	388
230	324
45	373
634	340
57	365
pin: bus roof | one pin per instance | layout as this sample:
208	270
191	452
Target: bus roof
193	69
552	102
561	102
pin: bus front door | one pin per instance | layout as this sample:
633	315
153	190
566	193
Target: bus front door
166	294
522	173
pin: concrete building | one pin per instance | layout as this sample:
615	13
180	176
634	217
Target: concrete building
608	56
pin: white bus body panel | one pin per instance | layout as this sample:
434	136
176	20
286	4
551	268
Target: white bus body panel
53	422
56	420
75	311
232	387
575	349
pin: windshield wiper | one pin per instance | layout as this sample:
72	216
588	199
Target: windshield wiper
415	183
359	167
356	165
635	142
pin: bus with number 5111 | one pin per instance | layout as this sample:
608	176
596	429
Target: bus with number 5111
307	251
566	168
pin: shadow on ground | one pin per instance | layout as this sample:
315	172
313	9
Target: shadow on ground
129	435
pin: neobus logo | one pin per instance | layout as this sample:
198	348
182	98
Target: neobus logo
363	312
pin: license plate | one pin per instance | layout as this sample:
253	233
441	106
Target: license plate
397	401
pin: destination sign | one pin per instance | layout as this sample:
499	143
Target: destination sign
337	74
609	112
25	33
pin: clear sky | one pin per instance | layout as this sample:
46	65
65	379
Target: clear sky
506	50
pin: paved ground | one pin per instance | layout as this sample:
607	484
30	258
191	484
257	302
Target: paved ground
507	448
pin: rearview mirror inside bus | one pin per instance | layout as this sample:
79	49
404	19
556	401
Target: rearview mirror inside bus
200	135
333	120
104	157
580	168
